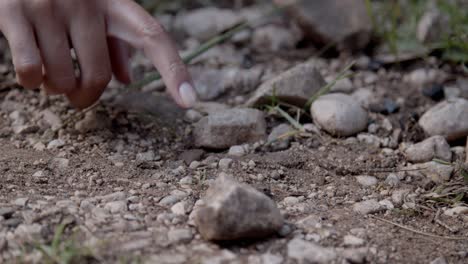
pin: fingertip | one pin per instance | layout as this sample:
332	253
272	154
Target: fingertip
187	95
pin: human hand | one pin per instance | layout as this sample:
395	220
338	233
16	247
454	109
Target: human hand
42	32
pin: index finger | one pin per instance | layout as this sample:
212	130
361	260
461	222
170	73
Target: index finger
128	21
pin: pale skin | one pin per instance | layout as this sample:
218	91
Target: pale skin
41	34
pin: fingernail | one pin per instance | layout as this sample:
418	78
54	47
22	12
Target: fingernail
187	93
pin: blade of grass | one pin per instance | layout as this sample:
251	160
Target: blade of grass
289	118
326	89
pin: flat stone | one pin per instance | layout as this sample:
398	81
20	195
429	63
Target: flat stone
116	207
308	252
146	156
435	147
6	212
367	181
448	119
339	115
237	151
367	207
456	211
295	86
280	137
225	163
236	211
180	208
355	255
177	236
92	121
59	163
354	241
439	260
52	119
435	171
21	201
56	143
191	155
230	127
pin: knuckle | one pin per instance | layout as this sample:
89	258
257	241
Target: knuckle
177	67
151	29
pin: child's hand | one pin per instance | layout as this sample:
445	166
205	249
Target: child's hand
41	33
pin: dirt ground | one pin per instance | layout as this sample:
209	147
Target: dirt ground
74	180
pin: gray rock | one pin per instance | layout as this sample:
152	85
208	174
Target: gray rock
192	116
59	163
212	83
116	207
6	212
23	201
280	137
274	38
52	119
344	22
230	127
456	211
92	121
237	151
339	114
204	23
308	252
294	86
392	180
435	147
435	171
355	255
448	119
367	207
56	143
146	156
420	77
177	236
225	164
398	196
354	241
271	258
364	97
367	181
236	211
172	199
342	86
180	208
387	204
439	260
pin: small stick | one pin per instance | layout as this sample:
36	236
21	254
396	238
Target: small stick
420	232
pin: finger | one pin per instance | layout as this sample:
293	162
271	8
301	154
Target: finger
120	60
20	35
128	21
59	76
87	34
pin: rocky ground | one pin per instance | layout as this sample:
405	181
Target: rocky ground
371	173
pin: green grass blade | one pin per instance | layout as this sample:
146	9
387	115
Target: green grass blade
326	89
